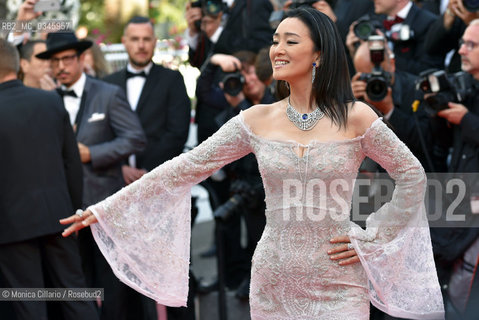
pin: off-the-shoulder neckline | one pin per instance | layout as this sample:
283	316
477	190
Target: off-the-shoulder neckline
311	142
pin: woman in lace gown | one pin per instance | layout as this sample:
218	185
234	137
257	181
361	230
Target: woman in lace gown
312	262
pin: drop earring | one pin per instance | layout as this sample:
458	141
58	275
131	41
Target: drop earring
314	72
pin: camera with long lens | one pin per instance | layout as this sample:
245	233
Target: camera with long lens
208	8
442	88
378	81
366	27
233	82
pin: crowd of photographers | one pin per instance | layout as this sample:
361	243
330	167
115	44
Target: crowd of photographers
415	62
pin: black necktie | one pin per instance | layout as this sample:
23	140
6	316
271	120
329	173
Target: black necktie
133	74
67	92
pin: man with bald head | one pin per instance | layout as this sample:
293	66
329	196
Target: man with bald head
158	96
459	131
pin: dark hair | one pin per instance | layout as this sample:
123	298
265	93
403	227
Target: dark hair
332	86
9	63
139	19
264	70
26	49
246	57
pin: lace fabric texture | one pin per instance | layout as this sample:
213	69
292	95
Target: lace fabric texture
144	230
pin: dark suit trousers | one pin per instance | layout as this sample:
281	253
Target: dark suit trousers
26	264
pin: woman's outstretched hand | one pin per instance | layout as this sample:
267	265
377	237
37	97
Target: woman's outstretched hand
343	252
78	221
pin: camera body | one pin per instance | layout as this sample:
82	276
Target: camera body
378	81
444	88
366	27
208	8
245	195
233	82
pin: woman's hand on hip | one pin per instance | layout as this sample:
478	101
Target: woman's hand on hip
343	251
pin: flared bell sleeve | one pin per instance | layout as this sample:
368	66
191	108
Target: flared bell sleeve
143	230
395	248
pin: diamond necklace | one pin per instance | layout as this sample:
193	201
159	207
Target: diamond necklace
305	121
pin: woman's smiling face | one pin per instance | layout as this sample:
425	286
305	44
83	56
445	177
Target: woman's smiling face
293	52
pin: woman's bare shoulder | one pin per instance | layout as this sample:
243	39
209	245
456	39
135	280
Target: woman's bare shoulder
258	115
361	117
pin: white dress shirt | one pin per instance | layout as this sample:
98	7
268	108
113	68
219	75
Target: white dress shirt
72	104
134	87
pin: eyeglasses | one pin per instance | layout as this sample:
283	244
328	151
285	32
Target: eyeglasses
470	45
66	60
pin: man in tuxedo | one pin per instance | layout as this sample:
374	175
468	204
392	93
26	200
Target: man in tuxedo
41	183
158	96
107	132
410	54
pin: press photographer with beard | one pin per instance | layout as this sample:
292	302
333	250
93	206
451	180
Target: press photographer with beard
458	129
239	89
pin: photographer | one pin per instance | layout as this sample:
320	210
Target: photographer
444	34
405	26
391	91
226	27
241	89
459	130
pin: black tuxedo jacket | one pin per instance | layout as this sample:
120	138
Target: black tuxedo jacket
440	41
41	168
164	112
411	56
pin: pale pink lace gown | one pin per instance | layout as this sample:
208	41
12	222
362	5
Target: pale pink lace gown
144	230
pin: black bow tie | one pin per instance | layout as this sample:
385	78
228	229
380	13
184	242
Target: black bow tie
133	74
67	92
